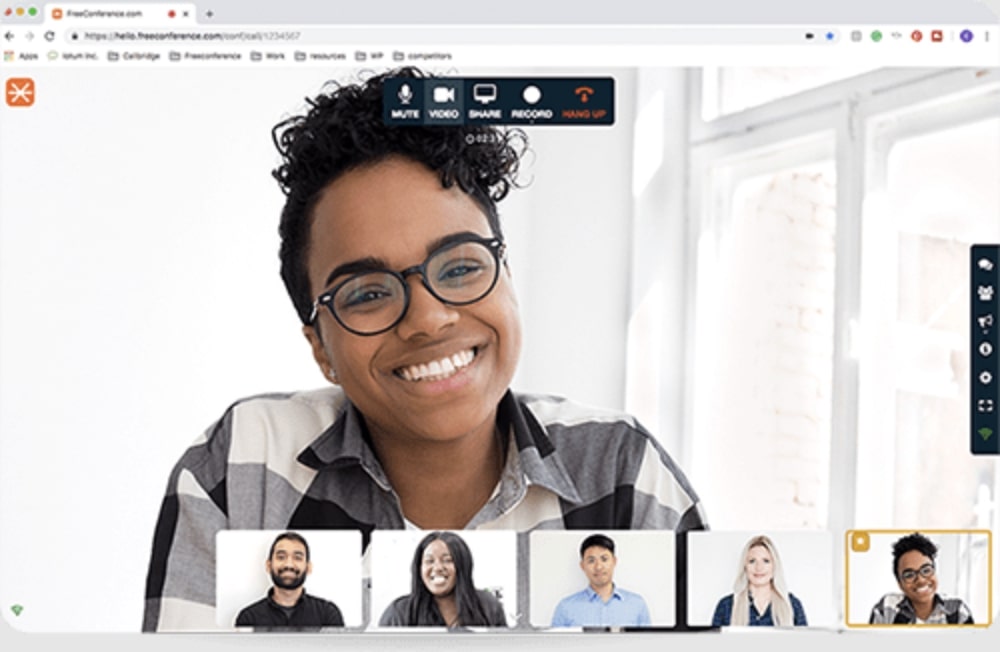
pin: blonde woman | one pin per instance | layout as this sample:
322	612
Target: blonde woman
760	597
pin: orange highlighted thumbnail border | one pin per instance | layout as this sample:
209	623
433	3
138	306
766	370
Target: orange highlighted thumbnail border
860	541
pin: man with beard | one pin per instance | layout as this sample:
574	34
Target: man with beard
287	606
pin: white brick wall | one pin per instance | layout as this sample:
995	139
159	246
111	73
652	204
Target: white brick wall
764	381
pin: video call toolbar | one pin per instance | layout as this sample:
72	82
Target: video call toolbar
499	100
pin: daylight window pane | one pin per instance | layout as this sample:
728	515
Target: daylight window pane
730	90
765	354
942	188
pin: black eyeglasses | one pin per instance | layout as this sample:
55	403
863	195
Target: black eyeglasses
458	273
924	571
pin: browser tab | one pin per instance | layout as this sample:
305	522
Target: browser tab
123	14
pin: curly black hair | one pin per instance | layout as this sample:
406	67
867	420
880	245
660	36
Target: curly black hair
909	543
344	130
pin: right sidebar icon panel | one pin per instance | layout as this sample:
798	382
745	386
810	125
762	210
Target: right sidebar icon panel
984	303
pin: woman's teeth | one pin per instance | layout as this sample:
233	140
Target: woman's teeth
437	369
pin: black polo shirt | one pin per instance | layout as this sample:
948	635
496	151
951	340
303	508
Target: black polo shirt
307	612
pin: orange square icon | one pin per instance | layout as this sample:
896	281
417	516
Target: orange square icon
20	91
57	14
860	541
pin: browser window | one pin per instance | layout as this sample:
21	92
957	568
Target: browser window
634	321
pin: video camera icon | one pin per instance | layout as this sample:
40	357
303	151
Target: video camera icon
443	94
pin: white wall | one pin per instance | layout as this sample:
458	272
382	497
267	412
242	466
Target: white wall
569	232
658	314
139	296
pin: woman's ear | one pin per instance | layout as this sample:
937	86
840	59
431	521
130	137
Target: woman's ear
320	355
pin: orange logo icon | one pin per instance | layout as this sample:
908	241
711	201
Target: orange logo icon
20	91
57	14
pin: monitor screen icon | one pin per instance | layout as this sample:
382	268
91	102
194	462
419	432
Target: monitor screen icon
484	93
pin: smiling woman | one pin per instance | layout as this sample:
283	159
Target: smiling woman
420	419
913	564
760	596
442	592
393	256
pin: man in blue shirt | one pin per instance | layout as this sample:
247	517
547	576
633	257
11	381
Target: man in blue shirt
601	603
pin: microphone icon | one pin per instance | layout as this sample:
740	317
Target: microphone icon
405	94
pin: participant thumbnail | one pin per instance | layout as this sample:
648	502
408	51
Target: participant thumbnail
278	580
918	577
760	579
582	579
441	579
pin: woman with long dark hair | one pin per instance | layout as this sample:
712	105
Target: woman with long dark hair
442	593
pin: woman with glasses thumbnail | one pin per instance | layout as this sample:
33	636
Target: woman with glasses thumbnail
760	597
919	603
442	593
